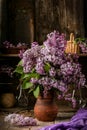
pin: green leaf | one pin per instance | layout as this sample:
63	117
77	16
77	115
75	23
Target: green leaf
80	39
20	62
27	85
30	75
35	75
26	75
47	67
33	70
30	90
19	69
36	91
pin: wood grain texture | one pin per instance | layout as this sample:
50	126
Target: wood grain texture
63	15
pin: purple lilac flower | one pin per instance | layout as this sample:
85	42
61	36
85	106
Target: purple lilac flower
29	58
67	68
62	86
21	53
52	72
20	120
83	47
45	91
7	44
34	44
74	102
40	67
53	83
55	40
34	80
7	69
60	97
45	81
82	80
21	45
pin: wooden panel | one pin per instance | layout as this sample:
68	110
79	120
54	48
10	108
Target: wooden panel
71	16
63	15
20	21
3	19
48	15
44	19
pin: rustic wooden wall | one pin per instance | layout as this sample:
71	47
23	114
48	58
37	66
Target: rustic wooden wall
21	20
29	20
85	17
3	19
63	15
71	16
0	19
46	18
17	21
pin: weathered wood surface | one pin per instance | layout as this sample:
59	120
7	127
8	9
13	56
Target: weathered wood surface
46	18
30	20
71	16
63	15
20	22
64	114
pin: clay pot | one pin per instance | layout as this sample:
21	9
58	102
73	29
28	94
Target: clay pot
45	108
7	100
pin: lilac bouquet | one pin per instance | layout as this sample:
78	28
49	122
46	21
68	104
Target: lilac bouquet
47	67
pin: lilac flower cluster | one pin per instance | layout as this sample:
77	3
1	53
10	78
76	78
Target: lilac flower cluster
82	42
83	47
8	44
51	68
20	120
30	57
7	69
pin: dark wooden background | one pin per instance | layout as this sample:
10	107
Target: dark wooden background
30	20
